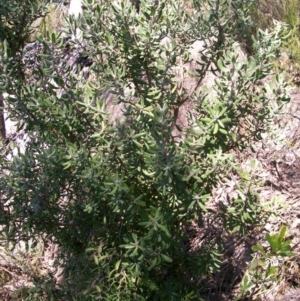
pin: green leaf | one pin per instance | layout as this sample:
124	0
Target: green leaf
90	249
134	237
202	206
220	123
245	176
206	120
259	248
148	17
154	262
225	120
233	136
216	128
108	38
271	271
273	241
166	258
282	233
220	65
127	246
287	254
223	131
53	38
117	265
162	227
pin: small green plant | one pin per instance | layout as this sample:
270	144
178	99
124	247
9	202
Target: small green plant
244	211
265	269
288	11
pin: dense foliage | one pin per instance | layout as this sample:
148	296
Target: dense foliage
287	11
117	194
15	19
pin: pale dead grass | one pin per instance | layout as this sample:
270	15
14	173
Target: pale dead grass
21	268
53	22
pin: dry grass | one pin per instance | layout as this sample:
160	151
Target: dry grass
53	21
24	271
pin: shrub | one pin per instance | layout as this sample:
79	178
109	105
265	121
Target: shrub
116	194
287	11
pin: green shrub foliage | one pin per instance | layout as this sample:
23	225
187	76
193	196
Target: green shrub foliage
118	194
16	16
